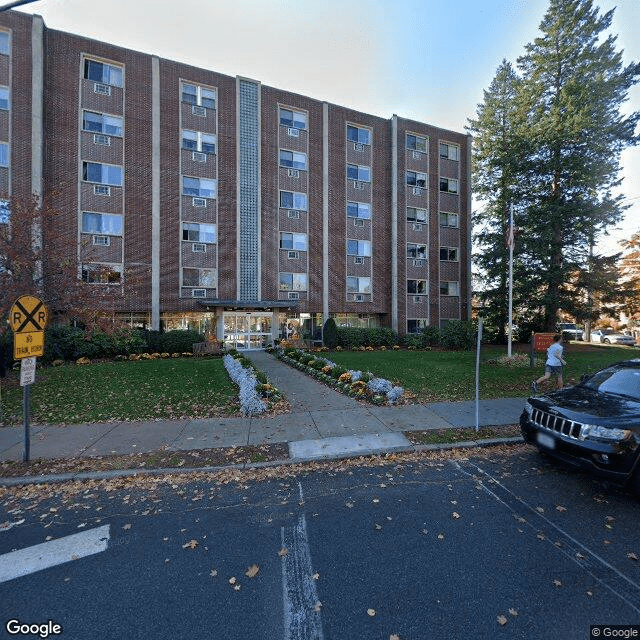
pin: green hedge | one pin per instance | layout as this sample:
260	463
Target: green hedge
352	338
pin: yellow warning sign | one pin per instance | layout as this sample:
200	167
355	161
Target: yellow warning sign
28	313
27	345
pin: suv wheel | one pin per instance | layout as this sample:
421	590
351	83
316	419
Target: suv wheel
607	341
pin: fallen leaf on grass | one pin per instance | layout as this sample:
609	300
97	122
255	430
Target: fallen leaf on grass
560	508
213	573
513	612
632	556
192	544
252	571
557	583
502	620
455	515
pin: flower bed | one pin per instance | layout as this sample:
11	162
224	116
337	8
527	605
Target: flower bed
251	390
357	384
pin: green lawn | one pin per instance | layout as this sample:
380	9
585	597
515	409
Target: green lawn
143	390
450	375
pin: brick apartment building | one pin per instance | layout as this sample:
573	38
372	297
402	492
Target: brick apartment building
221	204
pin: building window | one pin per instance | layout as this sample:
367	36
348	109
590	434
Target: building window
450	254
102	72
198	96
358	285
417	287
102	273
449	289
417	324
359	210
4	154
449	151
194	232
5	46
359	173
449	219
293	282
359	248
102	123
293	119
5	211
293	160
198	187
418	216
4	98
293	200
358	135
416	143
418	251
199	278
106	224
197	141
102	173
293	241
448	185
416	179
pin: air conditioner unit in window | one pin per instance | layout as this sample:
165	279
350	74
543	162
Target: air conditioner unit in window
198	156
417	226
199	202
417	191
293	214
418	263
293	295
358	146
101	241
198	293
417	155
99	138
357	184
199	111
293	255
101	190
293	132
358	260
293	173
199	247
358	222
358	297
102	89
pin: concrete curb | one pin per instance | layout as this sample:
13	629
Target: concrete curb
131	473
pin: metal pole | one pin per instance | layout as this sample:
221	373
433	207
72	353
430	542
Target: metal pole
26	416
511	243
478	374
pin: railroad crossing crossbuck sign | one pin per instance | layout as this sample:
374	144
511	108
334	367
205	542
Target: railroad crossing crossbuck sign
28	319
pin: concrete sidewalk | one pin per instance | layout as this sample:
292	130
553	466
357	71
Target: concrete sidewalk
322	423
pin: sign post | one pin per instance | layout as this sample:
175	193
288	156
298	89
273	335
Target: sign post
28	319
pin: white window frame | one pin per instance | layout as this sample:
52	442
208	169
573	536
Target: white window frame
450	219
104	118
204	282
362	248
419	177
298	241
104	228
300	124
5	99
363	210
422	323
452	184
362	284
5	43
299	281
201	95
114	76
104	179
298	160
100	267
200	139
422	287
5	156
415	220
362	134
300	201
452	254
210	192
419	250
363	172
205	233
416	146
449	151
450	288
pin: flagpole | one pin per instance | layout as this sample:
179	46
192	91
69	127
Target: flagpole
511	238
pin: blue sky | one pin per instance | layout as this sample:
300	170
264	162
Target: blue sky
428	60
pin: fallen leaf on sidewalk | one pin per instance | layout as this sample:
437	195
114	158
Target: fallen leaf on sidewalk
502	620
252	571
192	544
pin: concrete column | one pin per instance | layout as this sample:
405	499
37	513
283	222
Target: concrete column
37	134
394	222
155	193
325	212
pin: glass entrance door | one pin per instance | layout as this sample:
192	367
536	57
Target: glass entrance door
249	330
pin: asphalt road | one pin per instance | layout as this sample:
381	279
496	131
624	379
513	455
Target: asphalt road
504	546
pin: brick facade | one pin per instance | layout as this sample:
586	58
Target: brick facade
335	235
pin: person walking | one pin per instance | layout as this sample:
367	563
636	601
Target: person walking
553	366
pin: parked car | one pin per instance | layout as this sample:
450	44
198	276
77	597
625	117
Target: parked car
593	425
609	336
569	330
